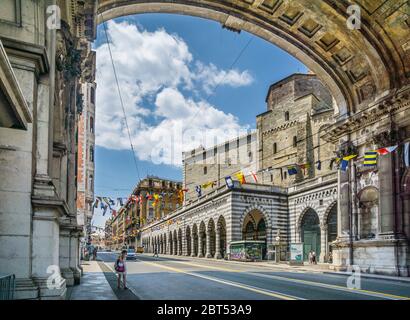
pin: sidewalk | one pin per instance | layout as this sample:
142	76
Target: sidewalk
93	285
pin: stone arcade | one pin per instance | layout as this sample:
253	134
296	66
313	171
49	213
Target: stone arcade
366	70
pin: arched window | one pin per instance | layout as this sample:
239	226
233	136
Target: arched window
249	231
91	124
275	148
205	170
91	182
287	116
295	141
92	95
92	154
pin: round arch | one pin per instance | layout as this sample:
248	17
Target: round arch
211	234
202	239
188	240
221	241
195	241
310	233
348	71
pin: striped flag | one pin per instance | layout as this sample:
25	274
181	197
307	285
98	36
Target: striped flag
387	150
345	161
370	158
254	176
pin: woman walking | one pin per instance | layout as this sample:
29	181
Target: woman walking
121	269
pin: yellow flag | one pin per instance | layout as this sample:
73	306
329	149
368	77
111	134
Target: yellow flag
240	177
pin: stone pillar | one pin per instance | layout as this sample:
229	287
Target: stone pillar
406	217
208	245
343	199
75	256
65	251
200	255
386	207
176	246
184	244
170	246
323	243
192	245
218	254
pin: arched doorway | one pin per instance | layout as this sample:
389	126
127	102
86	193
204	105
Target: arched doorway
202	240
164	239
171	243
331	232
195	241
188	240
212	241
254	228
310	234
221	230
175	245
179	242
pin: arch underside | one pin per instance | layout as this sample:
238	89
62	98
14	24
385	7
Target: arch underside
358	66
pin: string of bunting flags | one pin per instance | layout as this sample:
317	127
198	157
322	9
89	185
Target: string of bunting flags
369	160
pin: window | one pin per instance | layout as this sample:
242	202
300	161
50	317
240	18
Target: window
285	175
91	124
91	182
249	139
204	155
250	156
237	143
92	95
295	141
287	116
92	154
275	148
226	147
205	170
271	178
215	151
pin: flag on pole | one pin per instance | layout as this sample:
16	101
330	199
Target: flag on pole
407	154
292	170
198	190
240	177
254	176
345	161
387	150
370	158
229	182
208	184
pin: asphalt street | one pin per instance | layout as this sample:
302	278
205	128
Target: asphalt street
175	278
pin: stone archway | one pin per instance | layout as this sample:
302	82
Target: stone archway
180	242
221	238
164	239
194	241
254	227
329	233
175	244
188	240
210	239
171	243
313	31
202	240
310	233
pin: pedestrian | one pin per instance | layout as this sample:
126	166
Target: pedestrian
310	257
314	257
156	252
121	269
95	253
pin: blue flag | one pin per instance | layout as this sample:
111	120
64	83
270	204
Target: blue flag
292	170
198	190
229	182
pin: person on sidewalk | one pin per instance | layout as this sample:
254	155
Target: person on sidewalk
314	257
156	252
310	257
121	269
95	253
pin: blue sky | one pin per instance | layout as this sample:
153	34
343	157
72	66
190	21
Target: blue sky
172	68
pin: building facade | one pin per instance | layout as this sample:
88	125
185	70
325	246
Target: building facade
85	149
41	64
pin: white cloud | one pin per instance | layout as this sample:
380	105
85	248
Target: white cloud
211	77
152	67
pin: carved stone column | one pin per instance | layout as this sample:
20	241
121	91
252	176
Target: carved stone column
200	245
208	245
323	243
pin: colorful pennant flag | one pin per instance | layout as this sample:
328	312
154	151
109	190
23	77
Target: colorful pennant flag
370	158
292	170
208	184
387	150
241	177
254	176
229	182
198	190
345	161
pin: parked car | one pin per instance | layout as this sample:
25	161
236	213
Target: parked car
131	255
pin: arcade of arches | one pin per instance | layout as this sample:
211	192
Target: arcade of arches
367	71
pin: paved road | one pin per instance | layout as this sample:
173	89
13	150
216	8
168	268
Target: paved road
174	278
